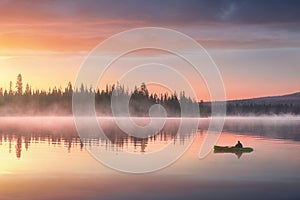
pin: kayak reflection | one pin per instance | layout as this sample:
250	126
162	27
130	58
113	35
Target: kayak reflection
236	150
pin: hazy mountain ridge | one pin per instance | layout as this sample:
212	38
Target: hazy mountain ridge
290	99
270	105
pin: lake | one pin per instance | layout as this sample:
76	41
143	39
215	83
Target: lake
44	158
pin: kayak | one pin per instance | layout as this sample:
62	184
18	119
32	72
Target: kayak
232	149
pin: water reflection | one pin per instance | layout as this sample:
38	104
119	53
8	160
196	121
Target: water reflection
20	133
238	154
47	171
24	132
267	127
25	140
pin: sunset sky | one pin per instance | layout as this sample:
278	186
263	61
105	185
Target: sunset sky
255	44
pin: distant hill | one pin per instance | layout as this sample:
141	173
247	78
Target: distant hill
289	99
271	105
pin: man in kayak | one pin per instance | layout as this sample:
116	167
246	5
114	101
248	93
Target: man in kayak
239	145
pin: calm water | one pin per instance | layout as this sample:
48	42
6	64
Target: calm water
43	158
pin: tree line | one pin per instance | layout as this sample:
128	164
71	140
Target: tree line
20	100
253	109
262	109
58	100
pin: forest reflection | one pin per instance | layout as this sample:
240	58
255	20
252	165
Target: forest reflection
23	141
19	133
19	136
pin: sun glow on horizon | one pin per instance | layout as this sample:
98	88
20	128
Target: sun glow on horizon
48	46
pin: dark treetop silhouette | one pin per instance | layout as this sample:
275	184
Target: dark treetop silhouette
58	101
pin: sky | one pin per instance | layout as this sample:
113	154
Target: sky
255	44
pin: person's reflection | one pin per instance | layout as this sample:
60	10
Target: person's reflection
239	154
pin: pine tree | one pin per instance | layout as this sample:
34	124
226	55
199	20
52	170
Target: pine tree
19	85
